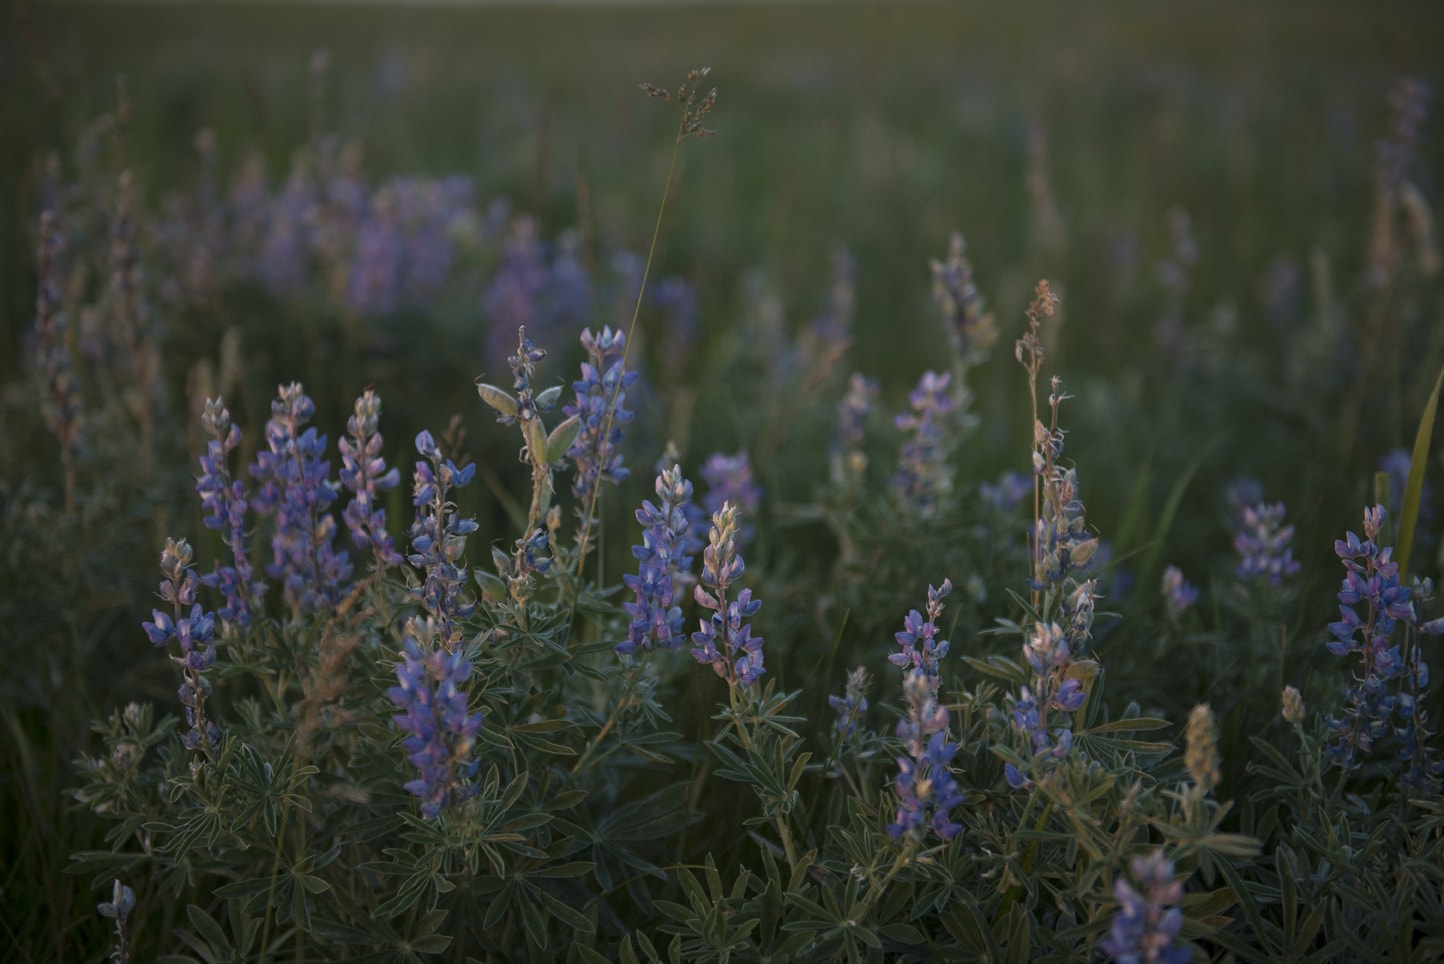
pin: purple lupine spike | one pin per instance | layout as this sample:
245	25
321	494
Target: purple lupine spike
193	629
365	475
921	649
739	658
441	733
729	480
1178	594
1148	919
600	398
295	490
664	557
927	791
923	477
1262	543
224	500
438	540
852	705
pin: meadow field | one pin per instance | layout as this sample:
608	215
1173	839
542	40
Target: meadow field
1065	374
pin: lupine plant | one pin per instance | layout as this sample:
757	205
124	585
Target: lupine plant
433	732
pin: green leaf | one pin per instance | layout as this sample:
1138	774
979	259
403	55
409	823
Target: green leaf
1414	489
496	398
568	914
210	930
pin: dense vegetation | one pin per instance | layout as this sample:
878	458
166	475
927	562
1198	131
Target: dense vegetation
450	688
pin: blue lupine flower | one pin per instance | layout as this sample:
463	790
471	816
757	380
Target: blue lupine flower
1178	594
1371	582
193	629
664	555
729	480
364	473
1010	489
852	706
374	286
600	406
296	490
923	477
926	789
60	388
971	331
739	658
224	500
852	413
532	291
1263	541
434	713
438	539
921	649
927	793
1148	920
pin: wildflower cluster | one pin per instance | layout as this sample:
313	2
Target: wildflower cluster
970	326
924	478
438	540
1062	549
59	386
193	629
664	557
224	501
1148	920
1178	593
926	789
365	475
739	658
296	491
1391	681
852	705
431	694
729	481
1262	543
600	406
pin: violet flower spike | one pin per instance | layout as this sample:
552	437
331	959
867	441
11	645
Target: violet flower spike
193	629
663	556
365	475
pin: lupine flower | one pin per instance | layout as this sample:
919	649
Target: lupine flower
118	908
532	291
729	480
1148	920
523	367
851	706
1200	754
193	629
59	386
1291	706
1178	594
364	474
1371	581
374	287
665	553
971	330
739	658
438	540
926	789
921	649
923	477
1005	494
431	695
295	489
224	500
1240	493
600	405
1262	543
